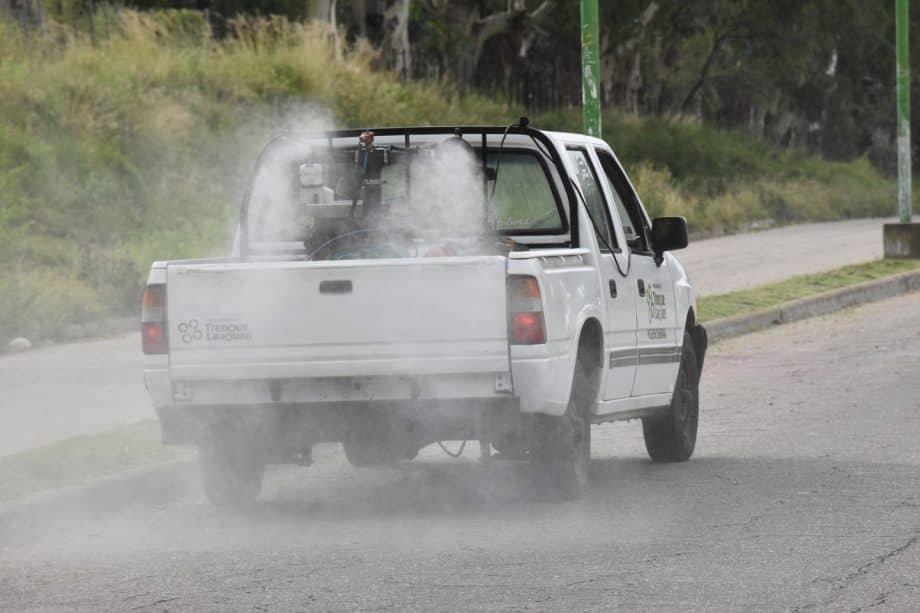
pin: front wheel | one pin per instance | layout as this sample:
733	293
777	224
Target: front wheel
671	436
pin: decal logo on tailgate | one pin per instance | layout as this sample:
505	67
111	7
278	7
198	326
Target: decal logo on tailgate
214	330
190	331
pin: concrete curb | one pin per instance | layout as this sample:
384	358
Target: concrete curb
821	304
146	486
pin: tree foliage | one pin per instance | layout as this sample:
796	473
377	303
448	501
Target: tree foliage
815	73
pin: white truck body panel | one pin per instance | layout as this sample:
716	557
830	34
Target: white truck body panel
337	319
390	329
543	373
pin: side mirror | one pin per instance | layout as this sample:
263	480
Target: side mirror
669	234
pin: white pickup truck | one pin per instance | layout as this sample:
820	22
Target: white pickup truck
394	288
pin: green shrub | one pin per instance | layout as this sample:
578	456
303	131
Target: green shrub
733	209
724	181
661	195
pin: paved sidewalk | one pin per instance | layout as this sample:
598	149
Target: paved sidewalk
730	263
92	386
62	391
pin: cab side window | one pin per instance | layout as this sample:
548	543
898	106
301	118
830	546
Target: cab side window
634	224
594	198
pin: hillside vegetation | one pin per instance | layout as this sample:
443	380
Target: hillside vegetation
138	148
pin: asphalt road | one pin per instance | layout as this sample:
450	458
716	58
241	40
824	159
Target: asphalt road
58	392
803	495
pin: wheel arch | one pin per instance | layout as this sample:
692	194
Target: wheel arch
589	346
699	337
690	319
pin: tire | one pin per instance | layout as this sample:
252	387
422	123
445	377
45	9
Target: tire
231	476
671	437
561	446
512	446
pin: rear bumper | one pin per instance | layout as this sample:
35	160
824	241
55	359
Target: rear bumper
298	426
543	383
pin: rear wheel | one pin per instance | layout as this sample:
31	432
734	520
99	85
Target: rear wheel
561	446
232	476
671	436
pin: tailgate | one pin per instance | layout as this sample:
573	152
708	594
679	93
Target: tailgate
337	319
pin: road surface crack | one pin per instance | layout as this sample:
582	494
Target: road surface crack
862	570
883	598
155	603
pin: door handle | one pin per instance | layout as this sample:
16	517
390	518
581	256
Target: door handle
641	288
613	288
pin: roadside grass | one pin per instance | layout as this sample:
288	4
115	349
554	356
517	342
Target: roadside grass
766	296
138	148
76	460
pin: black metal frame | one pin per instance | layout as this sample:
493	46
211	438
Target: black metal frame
407	132
607	205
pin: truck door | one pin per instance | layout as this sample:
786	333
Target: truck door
618	294
658	349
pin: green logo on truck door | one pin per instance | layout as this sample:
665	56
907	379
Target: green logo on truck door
657	307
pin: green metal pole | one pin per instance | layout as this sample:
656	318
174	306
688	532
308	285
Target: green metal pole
903	81
590	68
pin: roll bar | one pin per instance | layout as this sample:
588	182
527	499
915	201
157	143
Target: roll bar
407	133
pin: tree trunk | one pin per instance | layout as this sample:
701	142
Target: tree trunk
320	10
717	41
634	84
621	65
91	19
27	13
395	46
515	20
359	16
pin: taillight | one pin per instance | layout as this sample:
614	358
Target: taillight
525	310
153	320
528	329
